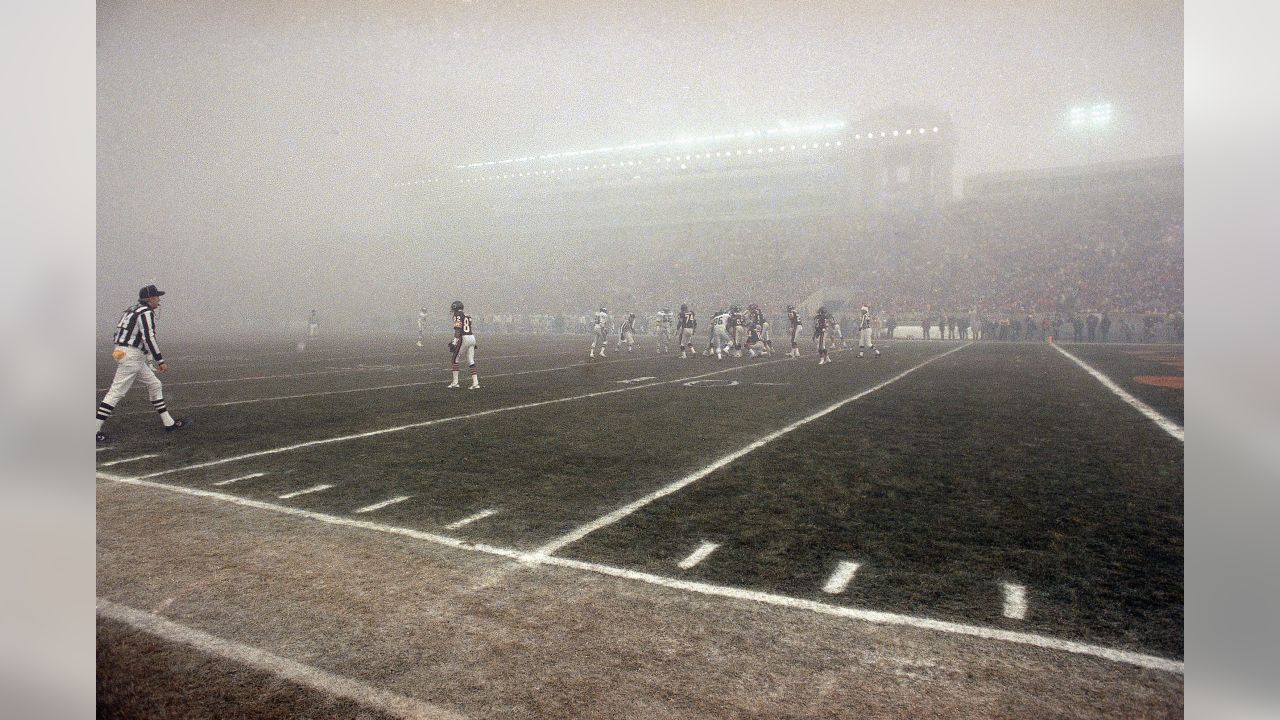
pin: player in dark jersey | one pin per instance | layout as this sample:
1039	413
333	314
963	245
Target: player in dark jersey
821	332
755	342
736	324
755	316
464	341
686	324
794	325
627	333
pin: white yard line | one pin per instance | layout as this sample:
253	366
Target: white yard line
420	383
469	519
840	579
698	555
291	670
386	367
1015	601
237	479
121	461
1152	414
873	616
626	510
384	503
308	491
438	421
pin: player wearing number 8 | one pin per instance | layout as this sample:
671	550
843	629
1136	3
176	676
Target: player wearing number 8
464	341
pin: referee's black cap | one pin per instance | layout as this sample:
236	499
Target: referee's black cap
149	291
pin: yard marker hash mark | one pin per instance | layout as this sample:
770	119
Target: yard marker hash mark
872	616
308	491
237	479
470	519
840	579
1015	601
626	510
698	555
384	503
291	670
1154	416
127	460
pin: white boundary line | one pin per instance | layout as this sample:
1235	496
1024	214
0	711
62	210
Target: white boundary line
451	418
419	383
384	503
873	616
291	670
702	588
469	519
840	579
127	460
1152	414
697	556
616	515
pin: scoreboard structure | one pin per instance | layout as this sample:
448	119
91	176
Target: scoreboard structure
895	159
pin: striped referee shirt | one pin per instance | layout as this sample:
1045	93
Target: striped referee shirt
137	328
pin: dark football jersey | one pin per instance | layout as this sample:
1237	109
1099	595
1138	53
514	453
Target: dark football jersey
462	325
793	317
687	321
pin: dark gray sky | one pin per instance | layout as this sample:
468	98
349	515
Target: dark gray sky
236	140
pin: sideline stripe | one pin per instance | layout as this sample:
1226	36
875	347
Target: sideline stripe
1043	641
626	510
242	477
308	491
452	418
375	387
291	670
312	373
1163	422
1015	601
384	503
127	460
698	555
469	519
839	579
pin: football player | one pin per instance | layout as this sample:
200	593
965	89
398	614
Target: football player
755	344
686	323
662	328
755	316
627	333
464	341
601	329
821	334
719	342
794	325
737	325
422	325
864	332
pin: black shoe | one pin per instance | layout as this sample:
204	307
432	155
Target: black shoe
102	437
179	424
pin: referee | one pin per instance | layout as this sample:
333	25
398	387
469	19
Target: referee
135	339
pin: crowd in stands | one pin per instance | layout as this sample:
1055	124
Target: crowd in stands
1038	264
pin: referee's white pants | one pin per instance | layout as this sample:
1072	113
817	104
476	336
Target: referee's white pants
131	364
864	338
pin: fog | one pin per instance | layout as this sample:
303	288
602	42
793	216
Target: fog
251	160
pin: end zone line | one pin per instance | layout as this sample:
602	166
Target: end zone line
1152	414
451	418
1071	646
259	659
613	517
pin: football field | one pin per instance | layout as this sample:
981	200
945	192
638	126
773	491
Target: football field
959	528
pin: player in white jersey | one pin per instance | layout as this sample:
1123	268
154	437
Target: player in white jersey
864	332
720	341
627	333
422	325
662	328
837	337
686	324
600	327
